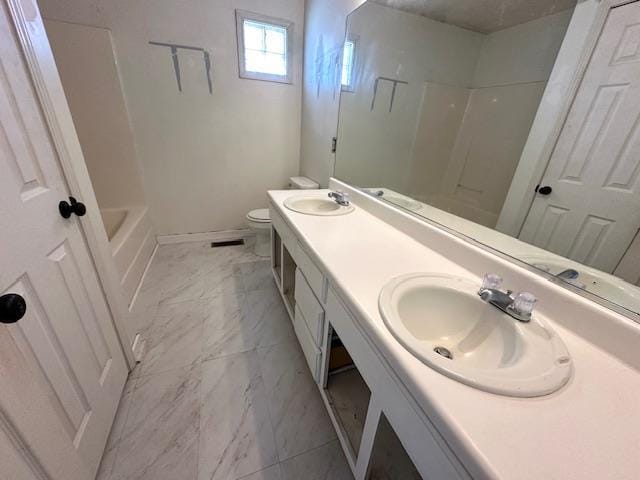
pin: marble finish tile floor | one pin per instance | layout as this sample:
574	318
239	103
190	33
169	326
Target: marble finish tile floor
223	391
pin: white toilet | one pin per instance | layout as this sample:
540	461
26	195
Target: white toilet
260	223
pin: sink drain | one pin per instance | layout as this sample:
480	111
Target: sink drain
444	352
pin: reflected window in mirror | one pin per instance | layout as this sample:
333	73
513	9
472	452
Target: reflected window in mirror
347	78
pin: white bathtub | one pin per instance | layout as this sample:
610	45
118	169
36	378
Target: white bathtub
132	241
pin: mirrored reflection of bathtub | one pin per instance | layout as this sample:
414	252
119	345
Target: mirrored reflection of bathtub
132	240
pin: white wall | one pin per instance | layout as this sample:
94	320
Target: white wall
375	147
323	39
206	159
442	111
487	149
523	53
87	67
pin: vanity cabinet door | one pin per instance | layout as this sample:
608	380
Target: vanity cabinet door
310	308
276	256
309	348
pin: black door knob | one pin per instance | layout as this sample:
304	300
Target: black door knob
72	206
546	190
12	308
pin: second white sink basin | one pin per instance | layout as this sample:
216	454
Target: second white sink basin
443	322
316	205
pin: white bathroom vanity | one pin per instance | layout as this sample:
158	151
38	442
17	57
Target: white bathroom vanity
396	415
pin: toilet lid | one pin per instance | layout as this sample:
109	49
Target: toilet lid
259	215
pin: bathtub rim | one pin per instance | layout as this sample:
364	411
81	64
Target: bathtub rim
133	215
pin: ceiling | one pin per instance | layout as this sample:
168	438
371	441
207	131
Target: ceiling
484	16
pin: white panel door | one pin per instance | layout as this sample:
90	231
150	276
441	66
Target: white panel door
593	211
62	370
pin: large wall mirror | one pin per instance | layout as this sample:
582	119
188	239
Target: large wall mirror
508	121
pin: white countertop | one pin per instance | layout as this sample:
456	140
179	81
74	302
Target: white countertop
588	429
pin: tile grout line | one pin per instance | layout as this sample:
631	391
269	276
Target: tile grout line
310	450
198	361
243	279
269	414
256	348
124	429
199	421
257	471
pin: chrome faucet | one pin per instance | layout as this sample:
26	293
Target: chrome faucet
341	198
519	306
568	274
571	277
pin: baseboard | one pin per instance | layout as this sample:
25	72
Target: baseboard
204	236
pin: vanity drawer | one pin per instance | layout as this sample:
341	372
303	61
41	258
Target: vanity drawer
314	276
309	348
310	307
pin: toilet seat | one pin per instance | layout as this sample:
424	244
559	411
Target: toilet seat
260	215
259	221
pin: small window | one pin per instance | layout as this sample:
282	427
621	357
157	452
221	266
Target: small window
264	47
347	78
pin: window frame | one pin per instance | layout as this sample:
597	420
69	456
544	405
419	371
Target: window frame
351	87
241	16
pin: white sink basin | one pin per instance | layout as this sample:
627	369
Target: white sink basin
316	205
599	283
442	321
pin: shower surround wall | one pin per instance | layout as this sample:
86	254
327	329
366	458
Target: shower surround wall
90	78
207	159
511	74
88	70
406	47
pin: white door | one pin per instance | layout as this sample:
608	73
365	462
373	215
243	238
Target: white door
629	267
62	369
593	211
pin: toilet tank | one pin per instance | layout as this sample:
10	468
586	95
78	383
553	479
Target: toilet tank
302	183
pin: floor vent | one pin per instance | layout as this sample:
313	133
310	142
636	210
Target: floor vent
227	243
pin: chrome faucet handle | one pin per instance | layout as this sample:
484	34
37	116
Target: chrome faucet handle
522	305
341	198
518	306
491	281
568	274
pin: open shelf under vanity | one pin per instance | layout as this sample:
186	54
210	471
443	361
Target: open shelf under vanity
347	393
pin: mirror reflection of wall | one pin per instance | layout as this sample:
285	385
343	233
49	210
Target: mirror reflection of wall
438	102
455	132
